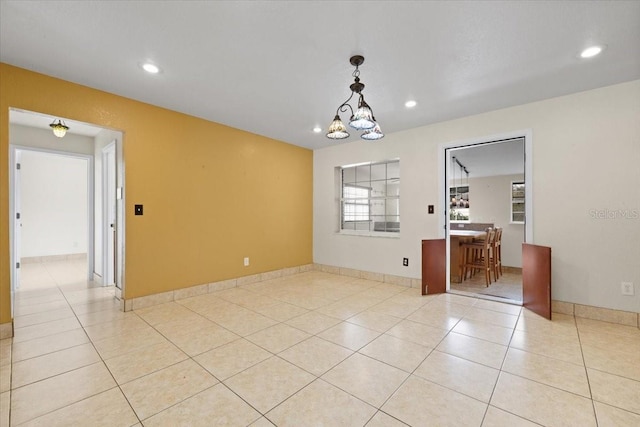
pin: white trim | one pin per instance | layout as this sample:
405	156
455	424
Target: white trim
105	213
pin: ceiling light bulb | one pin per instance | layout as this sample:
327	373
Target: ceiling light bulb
410	104
317	129
590	52
150	68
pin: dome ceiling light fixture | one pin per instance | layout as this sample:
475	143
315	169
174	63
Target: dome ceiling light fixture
363	118
59	129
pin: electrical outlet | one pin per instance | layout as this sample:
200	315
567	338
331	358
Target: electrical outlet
405	262
246	261
627	288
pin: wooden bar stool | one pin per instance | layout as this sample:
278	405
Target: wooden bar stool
496	255
477	256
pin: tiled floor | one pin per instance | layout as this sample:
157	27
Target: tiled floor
508	285
309	349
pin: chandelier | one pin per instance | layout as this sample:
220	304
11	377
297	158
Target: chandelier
363	118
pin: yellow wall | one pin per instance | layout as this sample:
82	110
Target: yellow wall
212	194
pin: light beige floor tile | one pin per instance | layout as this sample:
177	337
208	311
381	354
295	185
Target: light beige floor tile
48	365
161	313
37	399
610	341
262	422
184	324
37	299
458	374
44	317
126	343
614	390
5	378
244	322
459	299
380	419
105	316
312	322
103	331
50	328
585	325
624	363
374	320
40	308
340	310
107	409
281	311
39	346
144	361
445	408
216	406
435	318
498	418
402	354
198	341
5	351
316	355
278	337
418	333
5	404
349	335
541	403
366	378
321	403
484	331
499	307
561	347
230	359
269	383
561	324
164	388
102	305
608	416
473	349
492	317
394	309
543	369
304	300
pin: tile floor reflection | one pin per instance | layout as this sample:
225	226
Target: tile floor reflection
308	349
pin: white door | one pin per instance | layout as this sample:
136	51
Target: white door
109	204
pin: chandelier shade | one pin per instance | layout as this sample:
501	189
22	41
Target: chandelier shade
337	129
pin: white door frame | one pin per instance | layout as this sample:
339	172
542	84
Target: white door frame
108	209
14	154
444	160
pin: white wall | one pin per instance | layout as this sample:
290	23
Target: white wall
586	152
53	191
491	202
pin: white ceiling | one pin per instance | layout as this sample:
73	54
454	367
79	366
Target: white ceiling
490	159
279	68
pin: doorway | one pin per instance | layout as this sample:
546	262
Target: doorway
485	183
30	132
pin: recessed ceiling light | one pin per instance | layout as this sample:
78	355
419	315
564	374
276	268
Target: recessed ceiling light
317	129
150	68
592	51
410	104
